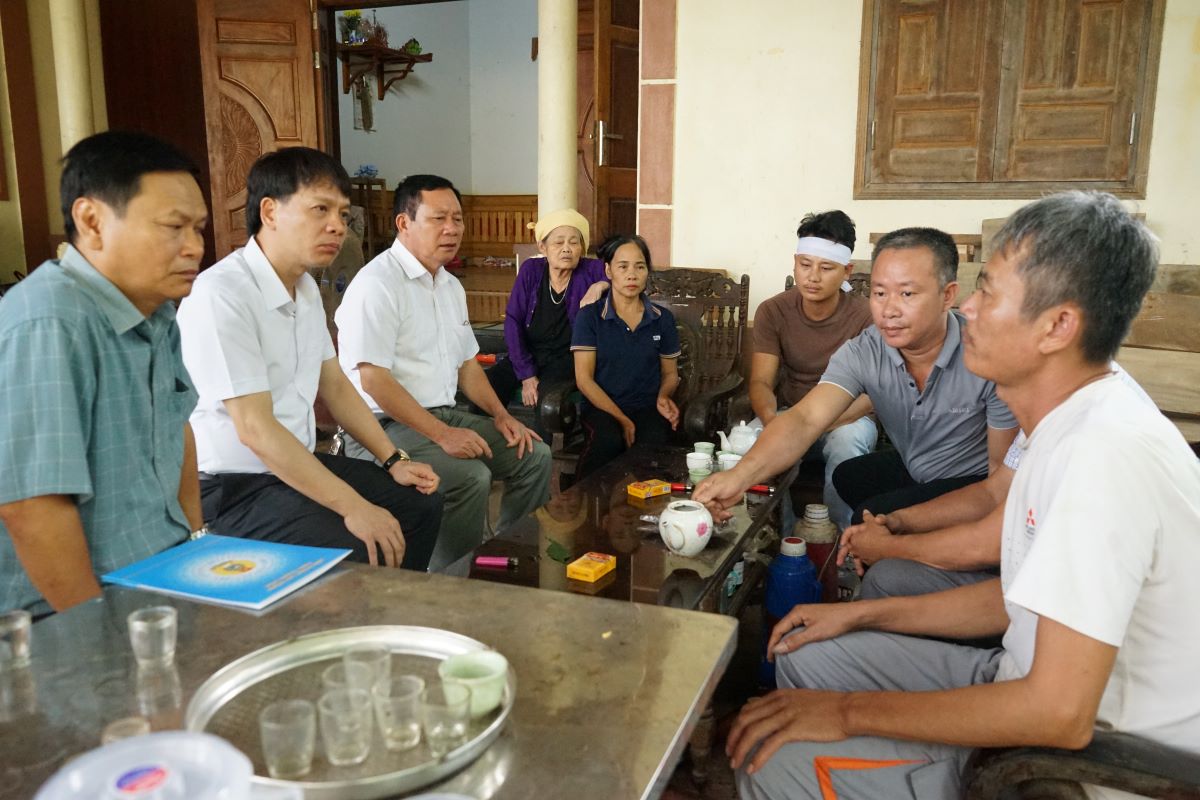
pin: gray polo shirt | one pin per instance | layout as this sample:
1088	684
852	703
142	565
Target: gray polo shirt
940	432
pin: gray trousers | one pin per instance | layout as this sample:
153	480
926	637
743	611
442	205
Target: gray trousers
869	767
466	482
896	577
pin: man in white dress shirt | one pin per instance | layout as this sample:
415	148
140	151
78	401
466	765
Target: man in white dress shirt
1096	596
257	347
406	343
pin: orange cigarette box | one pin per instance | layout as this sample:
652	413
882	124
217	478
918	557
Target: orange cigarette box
644	489
591	566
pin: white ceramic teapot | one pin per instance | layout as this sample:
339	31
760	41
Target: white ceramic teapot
685	527
740	439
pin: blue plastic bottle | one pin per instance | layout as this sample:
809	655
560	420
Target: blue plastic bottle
791	581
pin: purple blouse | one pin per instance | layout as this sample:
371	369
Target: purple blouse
523	299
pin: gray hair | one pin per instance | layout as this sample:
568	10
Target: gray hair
940	244
1082	248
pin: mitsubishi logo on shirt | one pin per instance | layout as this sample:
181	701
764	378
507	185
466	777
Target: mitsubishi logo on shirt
1030	522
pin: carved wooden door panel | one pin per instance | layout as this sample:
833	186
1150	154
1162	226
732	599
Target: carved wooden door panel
616	76
259	96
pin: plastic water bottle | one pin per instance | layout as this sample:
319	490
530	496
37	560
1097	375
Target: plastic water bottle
791	581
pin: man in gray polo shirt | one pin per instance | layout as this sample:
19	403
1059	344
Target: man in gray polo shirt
948	426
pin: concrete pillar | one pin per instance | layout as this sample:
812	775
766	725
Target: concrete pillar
72	71
558	21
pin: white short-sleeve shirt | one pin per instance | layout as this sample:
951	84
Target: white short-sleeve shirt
1102	534
243	334
398	316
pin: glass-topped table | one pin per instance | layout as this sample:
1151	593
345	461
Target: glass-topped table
598	514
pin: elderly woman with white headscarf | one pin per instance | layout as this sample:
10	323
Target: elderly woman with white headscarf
548	293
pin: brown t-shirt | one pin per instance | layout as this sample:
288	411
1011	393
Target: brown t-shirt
803	346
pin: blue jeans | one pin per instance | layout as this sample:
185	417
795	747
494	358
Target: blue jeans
840	444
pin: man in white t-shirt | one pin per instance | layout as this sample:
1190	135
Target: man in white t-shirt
406	344
910	550
256	344
1101	532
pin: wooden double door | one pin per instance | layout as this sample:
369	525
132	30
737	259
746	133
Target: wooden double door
225	80
607	91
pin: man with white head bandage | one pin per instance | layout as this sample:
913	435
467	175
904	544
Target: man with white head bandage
796	332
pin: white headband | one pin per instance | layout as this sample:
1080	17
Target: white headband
823	248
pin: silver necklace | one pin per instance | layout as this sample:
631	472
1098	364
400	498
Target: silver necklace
562	295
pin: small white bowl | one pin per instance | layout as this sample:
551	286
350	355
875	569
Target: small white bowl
484	672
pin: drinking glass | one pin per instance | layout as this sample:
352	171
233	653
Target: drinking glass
346	725
445	711
152	634
14	638
397	706
289	733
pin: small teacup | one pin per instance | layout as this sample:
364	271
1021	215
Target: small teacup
699	462
708	448
717	458
729	460
484	672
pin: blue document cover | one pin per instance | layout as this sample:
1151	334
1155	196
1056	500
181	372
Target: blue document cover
228	570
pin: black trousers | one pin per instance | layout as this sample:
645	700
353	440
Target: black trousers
604	441
507	385
878	482
260	506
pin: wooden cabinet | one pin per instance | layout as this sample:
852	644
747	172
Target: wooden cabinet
225	80
965	98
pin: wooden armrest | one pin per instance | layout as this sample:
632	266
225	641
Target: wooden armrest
556	404
707	411
1114	760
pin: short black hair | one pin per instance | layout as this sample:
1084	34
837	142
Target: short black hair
836	226
408	194
281	174
940	243
1082	248
109	167
609	247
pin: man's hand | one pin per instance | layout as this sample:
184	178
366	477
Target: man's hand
463	443
720	492
594	293
866	542
669	411
820	622
515	434
377	528
414	473
529	391
783	716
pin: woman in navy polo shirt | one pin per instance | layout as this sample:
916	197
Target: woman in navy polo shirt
625	350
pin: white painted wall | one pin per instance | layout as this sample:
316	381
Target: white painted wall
424	123
504	89
470	114
765	131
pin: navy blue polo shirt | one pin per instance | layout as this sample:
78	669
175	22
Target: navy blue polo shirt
627	361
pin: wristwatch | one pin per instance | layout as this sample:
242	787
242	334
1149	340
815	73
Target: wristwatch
395	458
198	533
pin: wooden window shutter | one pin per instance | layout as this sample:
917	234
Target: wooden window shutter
937	66
1006	98
1070	98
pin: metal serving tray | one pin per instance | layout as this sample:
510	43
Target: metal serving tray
228	703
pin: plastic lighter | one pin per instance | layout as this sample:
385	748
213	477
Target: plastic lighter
498	562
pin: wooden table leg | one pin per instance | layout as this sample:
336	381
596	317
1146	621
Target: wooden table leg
700	746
